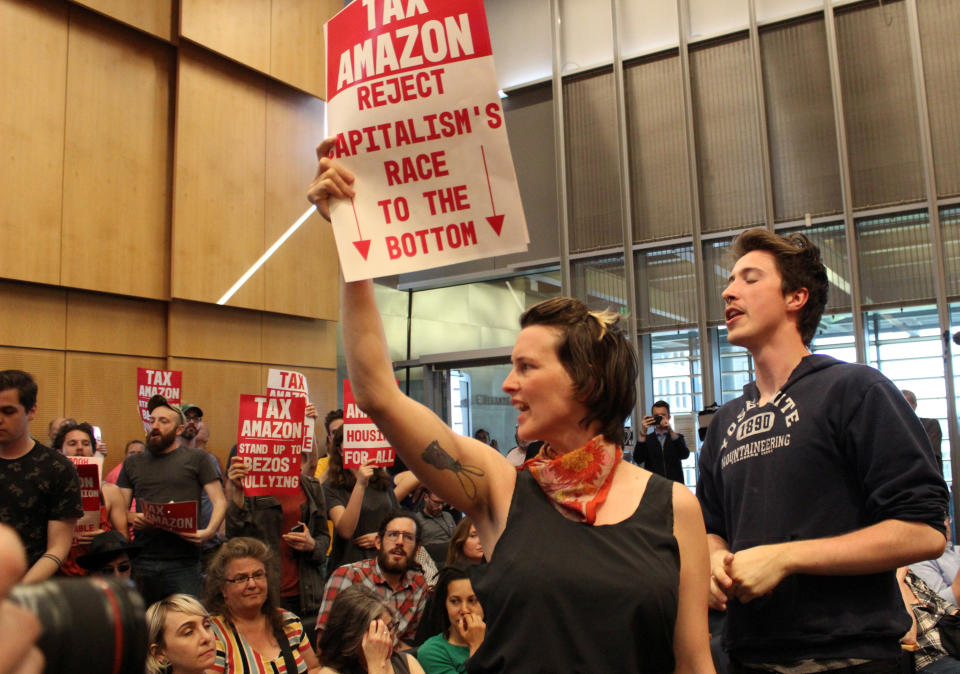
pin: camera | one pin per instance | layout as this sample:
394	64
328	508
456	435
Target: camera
657	418
99	622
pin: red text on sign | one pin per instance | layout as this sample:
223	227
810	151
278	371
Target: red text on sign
421	167
403	88
447	199
411	244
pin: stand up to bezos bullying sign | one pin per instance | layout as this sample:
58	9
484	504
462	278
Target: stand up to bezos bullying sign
270	440
412	96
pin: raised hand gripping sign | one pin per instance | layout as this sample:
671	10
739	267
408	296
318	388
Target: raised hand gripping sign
412	97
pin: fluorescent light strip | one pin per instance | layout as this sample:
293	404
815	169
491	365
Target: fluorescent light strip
266	256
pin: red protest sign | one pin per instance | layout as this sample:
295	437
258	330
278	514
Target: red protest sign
167	383
179	517
270	439
291	384
412	95
362	440
88	469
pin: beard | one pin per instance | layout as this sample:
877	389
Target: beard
390	565
189	432
158	442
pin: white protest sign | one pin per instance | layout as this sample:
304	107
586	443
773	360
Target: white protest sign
412	97
290	384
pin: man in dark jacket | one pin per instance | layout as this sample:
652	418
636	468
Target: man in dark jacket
815	484
662	448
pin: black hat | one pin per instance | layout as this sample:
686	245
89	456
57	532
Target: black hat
105	547
186	407
159	401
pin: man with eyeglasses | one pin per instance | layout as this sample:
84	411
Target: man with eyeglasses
109	554
392	574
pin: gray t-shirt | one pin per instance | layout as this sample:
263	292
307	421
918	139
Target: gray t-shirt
177	476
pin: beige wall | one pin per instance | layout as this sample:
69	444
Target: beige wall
152	150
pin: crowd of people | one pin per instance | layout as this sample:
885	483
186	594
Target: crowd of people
815	540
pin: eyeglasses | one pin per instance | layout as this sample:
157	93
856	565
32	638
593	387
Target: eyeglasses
397	535
108	570
256	576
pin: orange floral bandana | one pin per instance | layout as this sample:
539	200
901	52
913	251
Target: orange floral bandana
577	482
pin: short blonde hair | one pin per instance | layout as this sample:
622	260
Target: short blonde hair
157	618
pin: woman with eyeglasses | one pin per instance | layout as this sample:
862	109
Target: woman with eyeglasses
180	637
593	564
360	636
254	634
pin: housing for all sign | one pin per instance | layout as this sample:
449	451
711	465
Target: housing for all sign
270	440
362	440
412	99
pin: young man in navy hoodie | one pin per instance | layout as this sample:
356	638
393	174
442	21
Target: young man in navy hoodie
816	483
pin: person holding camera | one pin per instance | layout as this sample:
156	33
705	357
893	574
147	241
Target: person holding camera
662	448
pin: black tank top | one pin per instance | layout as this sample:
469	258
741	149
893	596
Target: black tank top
562	596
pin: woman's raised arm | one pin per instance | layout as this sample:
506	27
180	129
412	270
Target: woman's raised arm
464	472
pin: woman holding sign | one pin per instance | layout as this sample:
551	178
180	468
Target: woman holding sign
77	442
611	555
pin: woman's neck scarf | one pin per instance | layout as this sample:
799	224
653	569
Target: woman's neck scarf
577	482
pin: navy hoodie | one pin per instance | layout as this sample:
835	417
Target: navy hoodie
836	449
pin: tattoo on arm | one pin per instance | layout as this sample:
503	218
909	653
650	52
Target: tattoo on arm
436	456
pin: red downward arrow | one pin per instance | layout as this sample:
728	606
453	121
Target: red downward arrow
496	222
363	246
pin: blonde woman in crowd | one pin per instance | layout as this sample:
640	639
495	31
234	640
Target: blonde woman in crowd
180	637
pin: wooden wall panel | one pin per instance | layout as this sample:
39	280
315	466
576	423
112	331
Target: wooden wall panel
214	332
33	67
299	341
48	371
296	42
111	324
238	29
153	16
102	389
218	180
116	191
302	276
216	387
33	316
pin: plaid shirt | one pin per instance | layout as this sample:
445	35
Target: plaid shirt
407	602
931	607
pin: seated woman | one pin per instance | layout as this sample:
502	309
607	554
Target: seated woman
357	499
294	525
465	545
179	636
360	637
77	439
455	614
254	633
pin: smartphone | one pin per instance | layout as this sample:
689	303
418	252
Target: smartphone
297	529
97	434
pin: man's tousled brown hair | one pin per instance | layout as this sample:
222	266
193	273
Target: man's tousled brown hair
800	265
